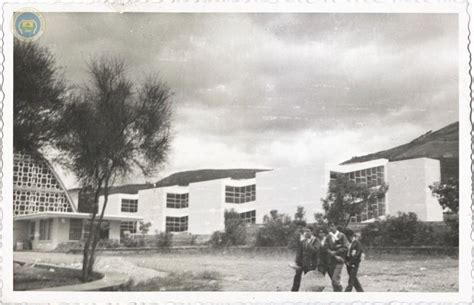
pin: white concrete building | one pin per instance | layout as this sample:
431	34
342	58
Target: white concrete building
44	212
198	205
408	186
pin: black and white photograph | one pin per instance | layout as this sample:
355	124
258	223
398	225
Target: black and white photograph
236	151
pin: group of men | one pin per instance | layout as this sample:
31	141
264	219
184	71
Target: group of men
326	252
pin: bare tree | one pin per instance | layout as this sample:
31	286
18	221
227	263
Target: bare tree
113	127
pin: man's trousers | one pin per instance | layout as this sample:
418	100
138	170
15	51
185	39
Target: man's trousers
353	280
334	272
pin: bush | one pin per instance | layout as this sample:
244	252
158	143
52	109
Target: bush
235	232
109	244
278	231
407	230
451	238
130	242
164	239
216	239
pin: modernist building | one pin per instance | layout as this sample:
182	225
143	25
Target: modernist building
44	213
195	202
408	187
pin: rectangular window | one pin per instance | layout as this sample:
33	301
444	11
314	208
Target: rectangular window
249	217
45	228
75	229
128	226
177	201
129	205
177	224
240	194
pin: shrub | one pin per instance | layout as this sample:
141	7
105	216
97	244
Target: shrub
407	230
164	239
216	239
278	231
109	244
451	238
130	242
235	232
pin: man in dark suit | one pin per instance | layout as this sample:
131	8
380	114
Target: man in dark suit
336	246
353	260
307	256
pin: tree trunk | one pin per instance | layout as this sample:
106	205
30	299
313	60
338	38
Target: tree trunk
86	261
89	254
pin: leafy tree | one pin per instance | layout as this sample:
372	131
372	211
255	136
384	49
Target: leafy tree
38	95
110	128
235	232
447	194
320	219
346	199
278	230
300	216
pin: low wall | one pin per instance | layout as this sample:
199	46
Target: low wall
431	251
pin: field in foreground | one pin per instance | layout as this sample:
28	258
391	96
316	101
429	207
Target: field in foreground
269	271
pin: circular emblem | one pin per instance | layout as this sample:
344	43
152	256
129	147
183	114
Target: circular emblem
28	25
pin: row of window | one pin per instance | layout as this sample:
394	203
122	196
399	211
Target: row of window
240	194
177	201
370	177
376	210
233	194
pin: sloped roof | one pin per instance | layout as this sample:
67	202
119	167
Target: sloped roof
187	177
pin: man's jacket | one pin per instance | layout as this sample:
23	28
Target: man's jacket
355	252
307	254
339	244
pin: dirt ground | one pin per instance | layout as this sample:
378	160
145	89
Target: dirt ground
270	272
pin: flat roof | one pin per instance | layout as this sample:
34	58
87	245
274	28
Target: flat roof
45	215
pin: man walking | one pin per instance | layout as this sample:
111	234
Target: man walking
353	261
307	256
337	246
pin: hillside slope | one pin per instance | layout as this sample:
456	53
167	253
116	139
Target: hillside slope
442	145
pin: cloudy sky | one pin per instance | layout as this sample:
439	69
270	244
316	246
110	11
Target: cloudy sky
278	90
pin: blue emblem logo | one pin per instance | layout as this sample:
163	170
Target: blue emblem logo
28	25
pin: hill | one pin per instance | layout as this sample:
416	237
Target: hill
442	145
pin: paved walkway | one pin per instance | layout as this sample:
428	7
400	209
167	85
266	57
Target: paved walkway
117	270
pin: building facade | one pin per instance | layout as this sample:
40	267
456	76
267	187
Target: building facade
44	212
46	215
198	207
408	187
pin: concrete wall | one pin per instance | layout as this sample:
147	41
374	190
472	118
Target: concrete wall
20	232
150	207
114	230
287	188
206	209
114	204
408	191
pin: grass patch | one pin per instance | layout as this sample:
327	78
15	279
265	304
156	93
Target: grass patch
181	281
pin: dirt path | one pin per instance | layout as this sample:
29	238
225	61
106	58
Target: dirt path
104	264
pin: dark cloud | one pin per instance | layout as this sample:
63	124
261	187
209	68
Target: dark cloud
249	86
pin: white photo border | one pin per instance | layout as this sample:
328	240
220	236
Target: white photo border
466	247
